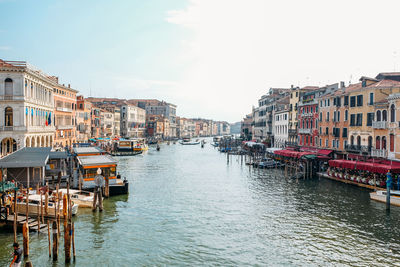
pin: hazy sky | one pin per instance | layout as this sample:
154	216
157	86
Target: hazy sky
213	58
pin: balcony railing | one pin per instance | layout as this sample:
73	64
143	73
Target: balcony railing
306	114
292	132
304	131
379	124
8	97
64	109
379	153
357	148
7	128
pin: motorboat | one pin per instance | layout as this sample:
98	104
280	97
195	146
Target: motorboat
380	196
187	141
34	206
84	199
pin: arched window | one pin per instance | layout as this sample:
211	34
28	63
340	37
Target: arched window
358	140
383	142
8	87
311	124
384	115
392	113
378	115
8	116
307	124
369	142
378	143
303	124
352	140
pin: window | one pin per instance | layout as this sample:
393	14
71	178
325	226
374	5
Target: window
352	101
346	115
320	130
371	98
338	101
334	116
344	133
338	116
370	118
320	142
291	95
359	119
328	102
326	142
320	116
359	100
345	143
352	140
346	100
392	113
378	142
334	101
311	110
320	103
391	142
8	87
297	94
311	124
383	142
384	115
327	116
8	116
333	143
327	130
378	115
352	119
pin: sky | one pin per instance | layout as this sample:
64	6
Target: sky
212	58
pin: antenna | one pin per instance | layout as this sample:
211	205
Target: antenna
351	77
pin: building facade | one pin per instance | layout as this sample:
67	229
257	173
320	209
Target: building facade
133	121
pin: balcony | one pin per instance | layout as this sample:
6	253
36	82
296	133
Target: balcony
379	124
304	131
65	127
357	148
379	153
292	132
307	114
64	109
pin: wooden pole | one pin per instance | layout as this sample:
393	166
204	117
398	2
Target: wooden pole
95	199
25	235
48	237
59	213
100	200
38	208
28	264
27	204
55	241
107	189
73	239
67	242
15	216
46	200
41	207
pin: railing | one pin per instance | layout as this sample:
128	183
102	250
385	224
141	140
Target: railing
65	127
8	97
306	114
64	109
292	132
304	131
379	124
7	128
357	148
380	153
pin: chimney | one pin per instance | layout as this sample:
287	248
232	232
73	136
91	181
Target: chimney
69	86
342	84
291	87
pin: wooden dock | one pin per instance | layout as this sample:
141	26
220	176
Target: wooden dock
21	219
371	187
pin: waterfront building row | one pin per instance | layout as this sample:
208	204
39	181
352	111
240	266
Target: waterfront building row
38	111
358	120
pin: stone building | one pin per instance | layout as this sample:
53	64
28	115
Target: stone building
133	121
26	107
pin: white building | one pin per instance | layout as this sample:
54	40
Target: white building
26	107
281	122
133	121
168	110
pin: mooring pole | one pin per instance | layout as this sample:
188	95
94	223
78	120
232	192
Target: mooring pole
388	186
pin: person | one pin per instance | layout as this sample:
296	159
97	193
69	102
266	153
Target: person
16	262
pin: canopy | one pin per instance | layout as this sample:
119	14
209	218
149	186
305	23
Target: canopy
292	153
365	166
324	152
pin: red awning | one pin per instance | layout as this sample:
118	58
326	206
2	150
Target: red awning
365	166
292	153
324	152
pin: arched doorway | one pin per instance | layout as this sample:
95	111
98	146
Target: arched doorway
33	144
358	140
369	143
27	142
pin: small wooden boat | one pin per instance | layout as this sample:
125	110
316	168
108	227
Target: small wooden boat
380	196
187	141
34	206
84	199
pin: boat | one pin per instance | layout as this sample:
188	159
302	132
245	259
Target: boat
88	167
187	141
34	206
84	199
126	148
380	196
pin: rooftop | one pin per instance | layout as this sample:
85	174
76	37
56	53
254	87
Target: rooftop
96	160
88	150
26	157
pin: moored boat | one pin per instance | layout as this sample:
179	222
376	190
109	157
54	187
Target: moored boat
380	196
84	199
187	141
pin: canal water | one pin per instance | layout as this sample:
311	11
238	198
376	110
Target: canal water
188	207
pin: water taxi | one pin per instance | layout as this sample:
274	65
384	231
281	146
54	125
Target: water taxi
88	166
126	148
380	196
